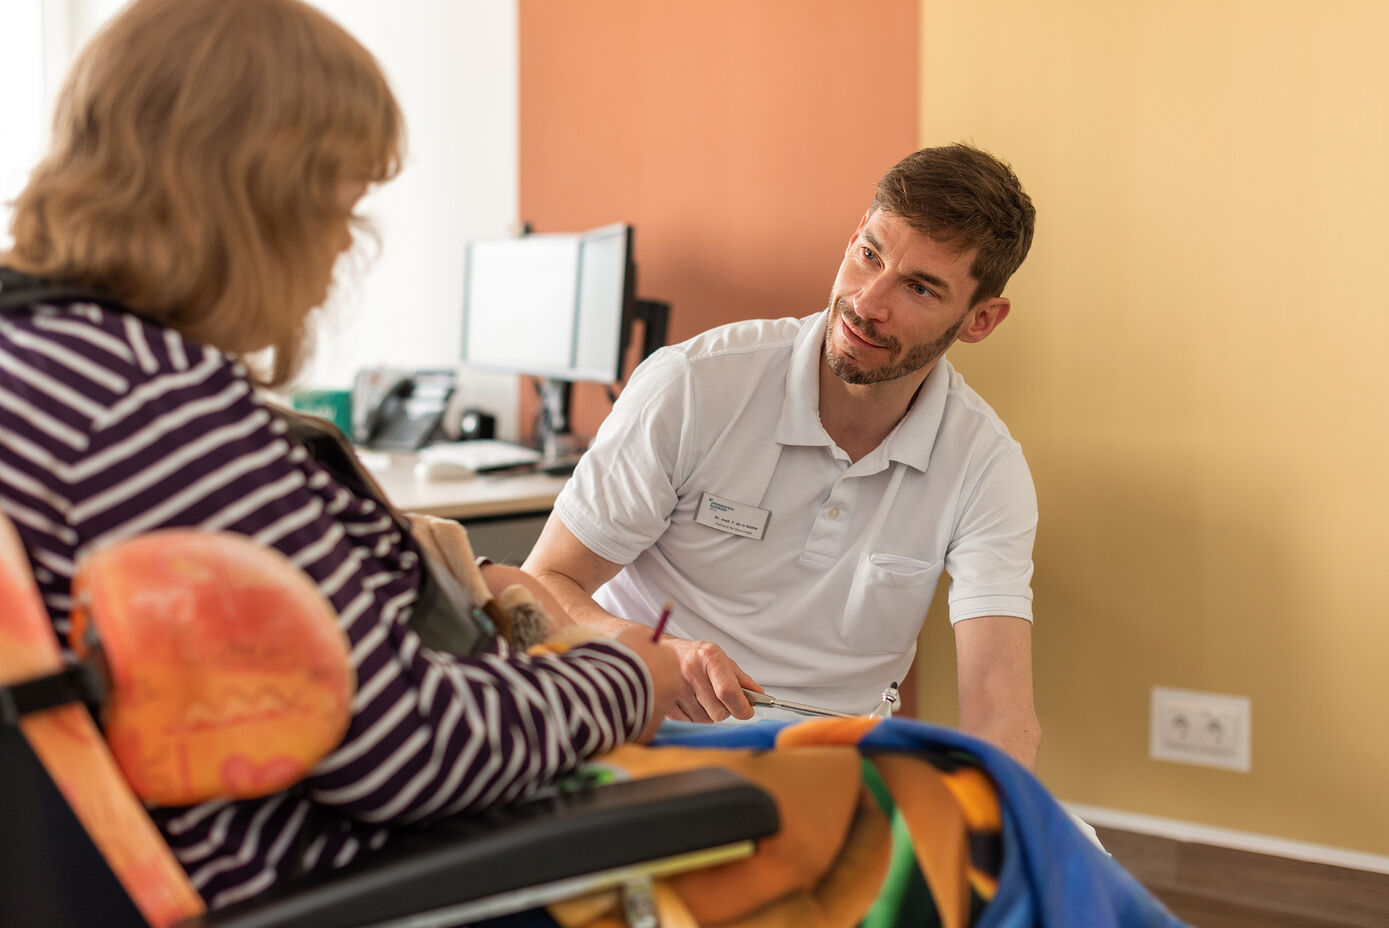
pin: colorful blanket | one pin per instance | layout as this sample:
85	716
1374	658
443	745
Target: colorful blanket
886	822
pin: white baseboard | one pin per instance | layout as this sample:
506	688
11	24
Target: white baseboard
1228	838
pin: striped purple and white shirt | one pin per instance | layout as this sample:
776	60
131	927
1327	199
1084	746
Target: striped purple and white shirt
111	426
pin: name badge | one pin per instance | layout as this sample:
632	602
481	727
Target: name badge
734	518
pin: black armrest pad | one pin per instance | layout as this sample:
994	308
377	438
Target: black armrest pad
525	845
51	873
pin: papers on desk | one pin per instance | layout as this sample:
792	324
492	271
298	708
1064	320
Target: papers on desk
377	461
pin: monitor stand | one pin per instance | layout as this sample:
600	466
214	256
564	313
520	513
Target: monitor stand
561	447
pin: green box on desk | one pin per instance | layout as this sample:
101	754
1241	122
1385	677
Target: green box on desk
333	405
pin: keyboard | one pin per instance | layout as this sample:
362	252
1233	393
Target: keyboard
481	455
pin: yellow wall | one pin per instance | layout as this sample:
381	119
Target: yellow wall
1196	367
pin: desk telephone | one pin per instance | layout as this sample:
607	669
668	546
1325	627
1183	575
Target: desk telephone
400	412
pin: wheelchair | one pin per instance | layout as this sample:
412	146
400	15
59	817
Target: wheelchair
68	816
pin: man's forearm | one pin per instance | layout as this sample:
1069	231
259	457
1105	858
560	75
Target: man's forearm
993	657
579	606
1020	739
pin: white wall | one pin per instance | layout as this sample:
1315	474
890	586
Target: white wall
26	117
453	65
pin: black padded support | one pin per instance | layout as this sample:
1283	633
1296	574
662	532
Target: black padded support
533	843
51	873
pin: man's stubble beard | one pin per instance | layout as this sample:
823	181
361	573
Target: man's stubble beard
917	357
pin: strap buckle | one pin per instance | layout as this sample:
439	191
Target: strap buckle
81	681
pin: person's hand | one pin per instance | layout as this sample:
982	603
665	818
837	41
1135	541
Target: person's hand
713	684
661	662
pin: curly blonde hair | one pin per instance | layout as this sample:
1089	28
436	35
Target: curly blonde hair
203	161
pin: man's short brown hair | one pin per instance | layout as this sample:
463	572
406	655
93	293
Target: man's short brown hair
965	197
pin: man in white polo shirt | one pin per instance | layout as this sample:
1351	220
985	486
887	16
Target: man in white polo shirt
796	487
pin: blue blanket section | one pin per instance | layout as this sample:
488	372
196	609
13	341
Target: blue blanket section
1053	876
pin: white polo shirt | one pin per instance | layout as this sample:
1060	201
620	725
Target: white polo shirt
714	482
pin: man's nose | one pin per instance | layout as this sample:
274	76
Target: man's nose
871	300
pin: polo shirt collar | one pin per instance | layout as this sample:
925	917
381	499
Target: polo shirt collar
910	442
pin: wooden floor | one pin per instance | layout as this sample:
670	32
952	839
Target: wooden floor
1212	887
1208	913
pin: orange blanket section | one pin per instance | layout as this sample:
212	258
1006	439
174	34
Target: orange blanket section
827	863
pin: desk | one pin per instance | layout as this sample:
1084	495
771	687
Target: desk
504	514
478	497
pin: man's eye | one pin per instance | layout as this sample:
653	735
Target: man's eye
868	254
921	290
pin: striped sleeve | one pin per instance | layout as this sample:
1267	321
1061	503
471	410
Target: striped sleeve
111	427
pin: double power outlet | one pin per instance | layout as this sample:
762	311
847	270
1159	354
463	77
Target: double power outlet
1191	727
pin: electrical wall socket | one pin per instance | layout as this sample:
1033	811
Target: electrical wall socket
1191	727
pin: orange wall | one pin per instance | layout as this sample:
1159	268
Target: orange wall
741	139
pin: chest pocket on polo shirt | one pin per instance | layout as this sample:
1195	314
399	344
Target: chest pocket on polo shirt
887	602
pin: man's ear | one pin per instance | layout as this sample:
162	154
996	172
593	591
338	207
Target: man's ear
984	318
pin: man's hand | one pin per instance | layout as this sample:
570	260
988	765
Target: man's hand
713	683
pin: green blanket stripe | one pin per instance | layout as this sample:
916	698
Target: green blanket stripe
904	899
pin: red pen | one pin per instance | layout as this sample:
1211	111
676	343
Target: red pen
661	622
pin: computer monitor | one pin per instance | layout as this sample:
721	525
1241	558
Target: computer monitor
549	305
559	307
